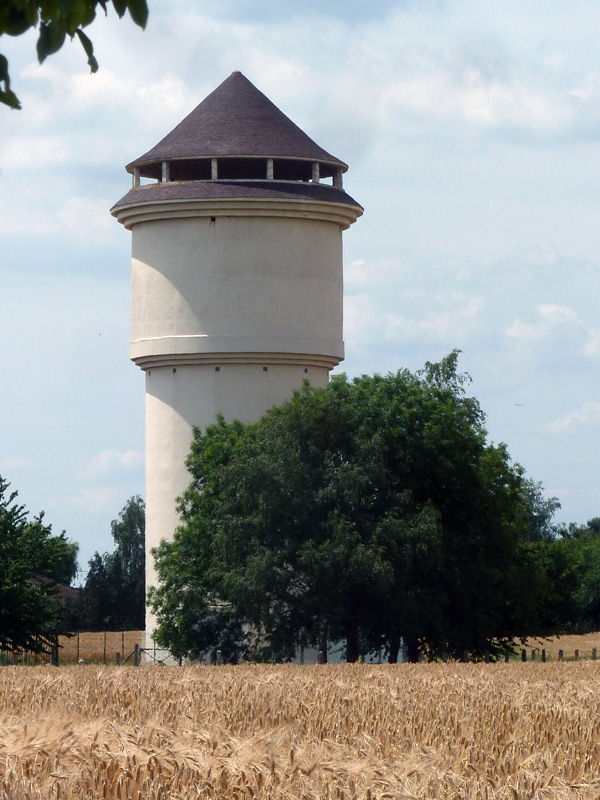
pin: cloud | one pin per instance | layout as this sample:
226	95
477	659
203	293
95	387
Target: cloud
96	499
112	462
436	91
46	213
583	418
15	463
451	316
560	326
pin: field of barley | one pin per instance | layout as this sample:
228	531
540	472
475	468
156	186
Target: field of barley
331	732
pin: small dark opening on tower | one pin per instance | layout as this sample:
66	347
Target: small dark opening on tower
213	219
236	168
327	170
265	369
284	170
174	369
217	369
192	170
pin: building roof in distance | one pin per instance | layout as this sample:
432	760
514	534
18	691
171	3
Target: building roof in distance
236	120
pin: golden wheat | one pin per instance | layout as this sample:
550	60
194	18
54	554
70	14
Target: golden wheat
349	732
98	647
584	645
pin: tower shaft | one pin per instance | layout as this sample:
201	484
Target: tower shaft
236	278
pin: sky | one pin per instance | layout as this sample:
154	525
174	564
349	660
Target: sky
472	132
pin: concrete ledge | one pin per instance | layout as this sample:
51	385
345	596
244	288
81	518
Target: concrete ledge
131	214
184	359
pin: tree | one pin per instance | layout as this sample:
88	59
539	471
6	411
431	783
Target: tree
371	510
577	551
114	591
32	563
56	19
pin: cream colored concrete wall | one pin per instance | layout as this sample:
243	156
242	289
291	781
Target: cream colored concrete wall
192	395
238	284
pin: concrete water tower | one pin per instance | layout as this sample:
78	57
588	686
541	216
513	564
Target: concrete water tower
236	219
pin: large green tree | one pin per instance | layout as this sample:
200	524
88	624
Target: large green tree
368	511
55	20
33	562
114	591
575	559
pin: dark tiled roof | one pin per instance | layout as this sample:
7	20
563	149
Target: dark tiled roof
63	590
236	120
199	190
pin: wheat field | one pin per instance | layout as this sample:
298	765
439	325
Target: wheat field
98	647
331	732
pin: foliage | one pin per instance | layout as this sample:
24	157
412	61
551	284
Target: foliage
369	510
55	20
580	550
32	563
542	509
114	592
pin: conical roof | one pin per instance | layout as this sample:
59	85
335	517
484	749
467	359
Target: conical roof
236	120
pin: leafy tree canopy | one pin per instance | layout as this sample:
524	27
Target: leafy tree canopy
32	562
55	20
114	592
370	510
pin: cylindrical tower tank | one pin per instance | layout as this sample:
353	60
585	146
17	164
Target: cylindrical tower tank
236	277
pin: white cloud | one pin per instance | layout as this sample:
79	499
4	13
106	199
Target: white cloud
525	331
443	317
436	91
560	326
559	315
362	274
10	464
582	419
26	151
47	212
85	220
111	461
96	499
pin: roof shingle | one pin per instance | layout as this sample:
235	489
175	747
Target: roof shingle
236	120
216	190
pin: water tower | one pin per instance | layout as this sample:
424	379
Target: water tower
236	219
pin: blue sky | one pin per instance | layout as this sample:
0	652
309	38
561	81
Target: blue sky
472	132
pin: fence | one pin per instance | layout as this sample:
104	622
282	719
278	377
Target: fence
37	656
104	647
98	648
124	647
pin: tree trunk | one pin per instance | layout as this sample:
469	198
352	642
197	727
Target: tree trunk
352	649
322	645
394	645
412	651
